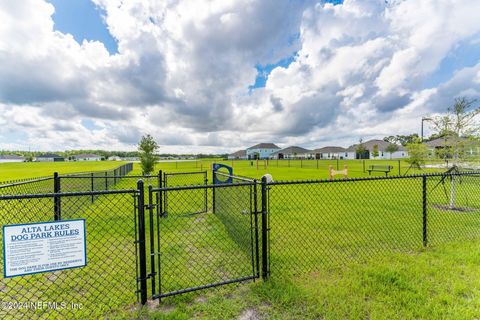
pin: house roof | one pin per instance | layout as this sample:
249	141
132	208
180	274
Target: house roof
11	157
329	149
49	155
292	150
87	155
382	146
239	153
264	146
442	142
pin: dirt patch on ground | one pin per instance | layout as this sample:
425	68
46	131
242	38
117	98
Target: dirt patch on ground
164	308
200	299
249	314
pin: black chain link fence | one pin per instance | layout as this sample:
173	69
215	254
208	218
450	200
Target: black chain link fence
195	200
202	249
199	236
107	284
27	186
315	224
75	182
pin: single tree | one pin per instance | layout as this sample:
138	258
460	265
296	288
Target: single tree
375	152
456	127
391	148
401	139
360	149
417	152
148	148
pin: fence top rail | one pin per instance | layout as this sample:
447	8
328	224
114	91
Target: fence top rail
182	173
73	174
66	194
209	186
109	177
235	177
413	176
12	184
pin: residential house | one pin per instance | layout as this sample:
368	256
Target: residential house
292	152
351	152
49	157
238	155
11	158
329	152
437	146
87	157
261	151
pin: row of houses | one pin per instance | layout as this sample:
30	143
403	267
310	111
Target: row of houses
272	151
51	157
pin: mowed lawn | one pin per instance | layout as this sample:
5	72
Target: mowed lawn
22	170
338	250
298	169
438	283
345	250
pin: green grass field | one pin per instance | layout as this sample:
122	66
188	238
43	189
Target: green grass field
338	250
439	283
22	170
297	169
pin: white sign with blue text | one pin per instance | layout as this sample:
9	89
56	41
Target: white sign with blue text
42	247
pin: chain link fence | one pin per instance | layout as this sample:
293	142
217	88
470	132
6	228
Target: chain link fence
75	182
108	281
316	224
197	250
194	200
181	234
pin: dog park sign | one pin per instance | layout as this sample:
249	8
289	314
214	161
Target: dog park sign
43	247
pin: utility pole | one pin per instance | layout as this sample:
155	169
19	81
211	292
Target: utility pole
424	119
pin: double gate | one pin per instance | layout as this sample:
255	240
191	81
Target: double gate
199	236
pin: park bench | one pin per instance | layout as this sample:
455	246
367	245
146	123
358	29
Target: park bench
379	168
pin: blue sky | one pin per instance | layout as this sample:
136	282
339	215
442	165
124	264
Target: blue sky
83	20
197	78
466	54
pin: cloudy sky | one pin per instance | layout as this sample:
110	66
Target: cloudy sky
219	75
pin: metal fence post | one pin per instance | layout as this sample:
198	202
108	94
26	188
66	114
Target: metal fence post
264	230
57	201
160	195
206	191
255	211
213	191
424	207
399	169
91	185
165	195
141	242
106	180
337	164
152	238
